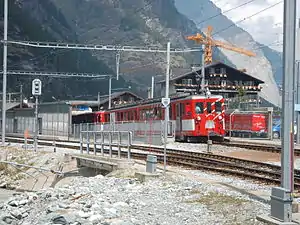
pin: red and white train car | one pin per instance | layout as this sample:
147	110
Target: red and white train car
249	123
195	116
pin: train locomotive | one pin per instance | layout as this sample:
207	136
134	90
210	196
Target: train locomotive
196	116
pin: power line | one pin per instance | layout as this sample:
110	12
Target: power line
226	11
98	47
248	17
56	74
66	50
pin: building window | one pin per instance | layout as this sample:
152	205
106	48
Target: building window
212	70
223	71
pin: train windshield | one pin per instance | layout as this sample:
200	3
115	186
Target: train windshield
199	107
218	106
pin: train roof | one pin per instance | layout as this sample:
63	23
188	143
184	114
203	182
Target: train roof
184	96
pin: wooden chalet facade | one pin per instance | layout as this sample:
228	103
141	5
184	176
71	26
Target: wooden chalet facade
221	79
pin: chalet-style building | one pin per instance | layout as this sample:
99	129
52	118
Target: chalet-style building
221	79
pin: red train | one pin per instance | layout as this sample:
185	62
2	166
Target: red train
195	116
250	124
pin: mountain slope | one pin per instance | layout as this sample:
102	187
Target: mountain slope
225	30
110	22
134	23
45	23
275	59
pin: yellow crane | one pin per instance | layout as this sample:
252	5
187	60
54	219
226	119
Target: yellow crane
209	42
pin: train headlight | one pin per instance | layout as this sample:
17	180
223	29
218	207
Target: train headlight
198	118
220	117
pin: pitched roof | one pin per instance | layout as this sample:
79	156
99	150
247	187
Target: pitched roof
96	103
184	74
11	105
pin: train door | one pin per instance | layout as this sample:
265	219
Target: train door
219	118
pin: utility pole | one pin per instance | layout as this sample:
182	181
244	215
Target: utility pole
152	87
109	103
36	92
297	81
4	70
118	64
281	197
109	93
203	69
98	99
166	103
21	96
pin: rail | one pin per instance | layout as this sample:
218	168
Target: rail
96	135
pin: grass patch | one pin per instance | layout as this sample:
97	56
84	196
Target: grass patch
213	198
195	191
18	156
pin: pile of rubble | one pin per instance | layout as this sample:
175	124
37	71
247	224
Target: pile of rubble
171	199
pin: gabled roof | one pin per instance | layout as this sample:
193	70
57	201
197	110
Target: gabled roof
96	103
12	105
179	76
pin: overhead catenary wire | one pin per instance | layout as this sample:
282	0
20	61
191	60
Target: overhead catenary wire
226	11
61	51
46	55
248	17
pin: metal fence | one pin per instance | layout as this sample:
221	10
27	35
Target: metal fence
100	139
147	132
48	124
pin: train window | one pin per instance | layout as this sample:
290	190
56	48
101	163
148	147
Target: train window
181	109
128	115
159	113
218	106
199	107
188	109
208	105
107	119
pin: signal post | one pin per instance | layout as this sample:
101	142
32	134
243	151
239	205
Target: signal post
36	92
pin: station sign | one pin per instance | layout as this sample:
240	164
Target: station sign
165	101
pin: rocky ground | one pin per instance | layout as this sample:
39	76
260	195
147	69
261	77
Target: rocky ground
119	198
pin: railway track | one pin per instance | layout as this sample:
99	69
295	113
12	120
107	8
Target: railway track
257	147
263	172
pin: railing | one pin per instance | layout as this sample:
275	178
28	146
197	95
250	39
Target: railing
114	138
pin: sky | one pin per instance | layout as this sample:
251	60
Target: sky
265	27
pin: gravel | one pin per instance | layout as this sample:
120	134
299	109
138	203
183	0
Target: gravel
296	163
233	181
170	199
200	147
120	199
